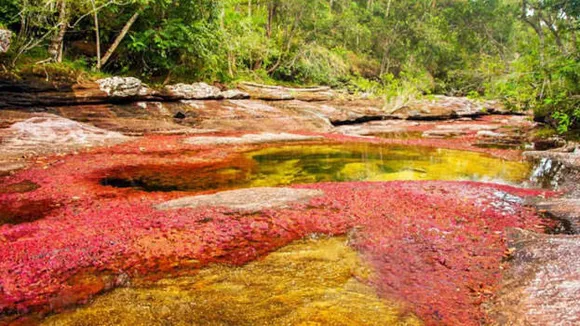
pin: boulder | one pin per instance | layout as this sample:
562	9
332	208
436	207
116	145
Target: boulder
123	87
196	91
5	39
250	200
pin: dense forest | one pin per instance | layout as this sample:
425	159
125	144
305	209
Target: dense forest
525	53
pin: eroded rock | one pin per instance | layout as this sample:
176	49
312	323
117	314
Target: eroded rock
196	91
252	199
542	284
123	87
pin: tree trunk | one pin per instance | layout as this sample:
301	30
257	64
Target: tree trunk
97	34
553	30
120	37
272	6
56	45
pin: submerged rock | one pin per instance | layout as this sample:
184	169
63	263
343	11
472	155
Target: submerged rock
252	199
265	137
542	284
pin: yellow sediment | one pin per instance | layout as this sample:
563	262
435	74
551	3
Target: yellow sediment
310	282
349	162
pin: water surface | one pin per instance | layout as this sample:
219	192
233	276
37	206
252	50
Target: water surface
299	164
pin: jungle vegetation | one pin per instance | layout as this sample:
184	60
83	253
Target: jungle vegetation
524	52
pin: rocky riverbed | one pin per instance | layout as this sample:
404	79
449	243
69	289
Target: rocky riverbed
77	220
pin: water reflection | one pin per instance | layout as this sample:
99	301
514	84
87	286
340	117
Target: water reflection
297	164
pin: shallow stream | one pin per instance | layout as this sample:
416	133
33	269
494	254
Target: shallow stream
300	164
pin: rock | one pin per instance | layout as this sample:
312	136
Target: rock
134	119
446	133
374	128
440	108
196	91
490	134
248	115
9	167
123	87
235	94
53	134
5	40
266	93
557	170
251	199
564	209
249	139
339	112
541	285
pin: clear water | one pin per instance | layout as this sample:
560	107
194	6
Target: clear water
298	164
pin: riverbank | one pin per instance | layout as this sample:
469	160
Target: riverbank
67	235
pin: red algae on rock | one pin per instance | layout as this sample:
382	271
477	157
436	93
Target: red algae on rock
435	246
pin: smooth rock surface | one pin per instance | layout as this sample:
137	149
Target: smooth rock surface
265	137
267	94
52	134
541	285
251	199
565	209
235	94
441	108
339	112
250	115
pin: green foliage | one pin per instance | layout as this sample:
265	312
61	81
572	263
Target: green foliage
523	52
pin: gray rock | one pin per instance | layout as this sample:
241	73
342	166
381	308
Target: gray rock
235	94
251	199
196	91
5	39
123	87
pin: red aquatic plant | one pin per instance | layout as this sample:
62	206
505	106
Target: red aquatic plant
436	246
